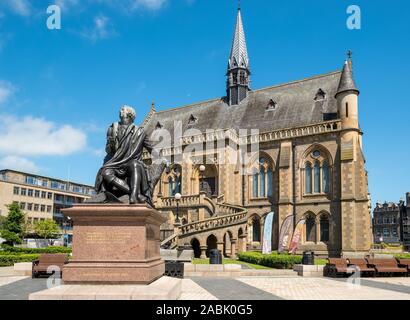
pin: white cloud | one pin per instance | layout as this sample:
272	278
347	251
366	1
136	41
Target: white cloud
149	4
98	152
18	163
6	91
38	137
67	4
19	7
101	29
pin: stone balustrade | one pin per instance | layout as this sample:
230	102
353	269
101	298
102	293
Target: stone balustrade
323	127
217	222
191	201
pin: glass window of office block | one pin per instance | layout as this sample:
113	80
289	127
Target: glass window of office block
16	191
30	207
42	208
43	194
37	193
49	195
36	207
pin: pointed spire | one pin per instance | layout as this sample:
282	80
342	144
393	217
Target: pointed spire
238	82
239	51
347	82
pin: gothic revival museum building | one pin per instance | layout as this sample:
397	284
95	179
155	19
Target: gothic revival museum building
310	164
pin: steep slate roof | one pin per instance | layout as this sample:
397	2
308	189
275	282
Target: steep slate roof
295	106
347	81
239	52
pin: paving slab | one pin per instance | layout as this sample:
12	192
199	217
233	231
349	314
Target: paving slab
165	288
232	289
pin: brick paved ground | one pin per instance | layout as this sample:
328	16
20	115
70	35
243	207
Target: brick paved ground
250	288
329	289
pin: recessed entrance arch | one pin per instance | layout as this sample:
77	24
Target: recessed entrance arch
196	247
211	243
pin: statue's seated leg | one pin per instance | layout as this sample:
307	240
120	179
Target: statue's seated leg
111	180
135	172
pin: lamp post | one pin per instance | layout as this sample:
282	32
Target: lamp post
178	197
202	169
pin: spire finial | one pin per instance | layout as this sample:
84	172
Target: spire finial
239	4
349	54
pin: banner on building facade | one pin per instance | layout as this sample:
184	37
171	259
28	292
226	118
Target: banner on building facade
267	234
285	234
297	234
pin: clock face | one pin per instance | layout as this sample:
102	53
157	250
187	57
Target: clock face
316	154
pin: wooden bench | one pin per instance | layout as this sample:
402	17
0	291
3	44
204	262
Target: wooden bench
405	263
363	266
337	267
45	261
386	266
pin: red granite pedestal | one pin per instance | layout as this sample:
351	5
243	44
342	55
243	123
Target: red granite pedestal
114	244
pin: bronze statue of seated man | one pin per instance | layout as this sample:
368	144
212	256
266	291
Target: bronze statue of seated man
124	176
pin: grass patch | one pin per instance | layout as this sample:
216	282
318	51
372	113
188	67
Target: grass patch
320	262
233	261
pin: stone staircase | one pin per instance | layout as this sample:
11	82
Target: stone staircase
223	216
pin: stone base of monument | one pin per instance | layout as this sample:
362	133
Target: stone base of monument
164	288
114	244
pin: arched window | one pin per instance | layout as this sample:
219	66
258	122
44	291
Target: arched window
310	229
308	178
175	180
324	228
270	182
256	230
171	186
317	172
317	177
325	183
262	179
255	185
262	182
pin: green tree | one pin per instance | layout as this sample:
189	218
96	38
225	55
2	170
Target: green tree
2	222
46	228
12	228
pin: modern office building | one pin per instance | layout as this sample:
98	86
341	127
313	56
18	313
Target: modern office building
41	197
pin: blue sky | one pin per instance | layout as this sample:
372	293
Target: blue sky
60	89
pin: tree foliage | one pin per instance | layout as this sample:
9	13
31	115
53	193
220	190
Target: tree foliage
12	226
46	228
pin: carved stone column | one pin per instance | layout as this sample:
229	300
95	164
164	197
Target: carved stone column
203	252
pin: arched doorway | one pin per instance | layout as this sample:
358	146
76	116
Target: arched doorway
256	229
208	181
196	247
211	243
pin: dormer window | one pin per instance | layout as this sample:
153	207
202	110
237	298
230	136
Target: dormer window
159	126
271	105
192	120
320	95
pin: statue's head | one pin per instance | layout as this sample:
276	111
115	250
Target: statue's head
127	115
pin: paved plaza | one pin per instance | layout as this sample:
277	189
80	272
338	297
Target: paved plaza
249	288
